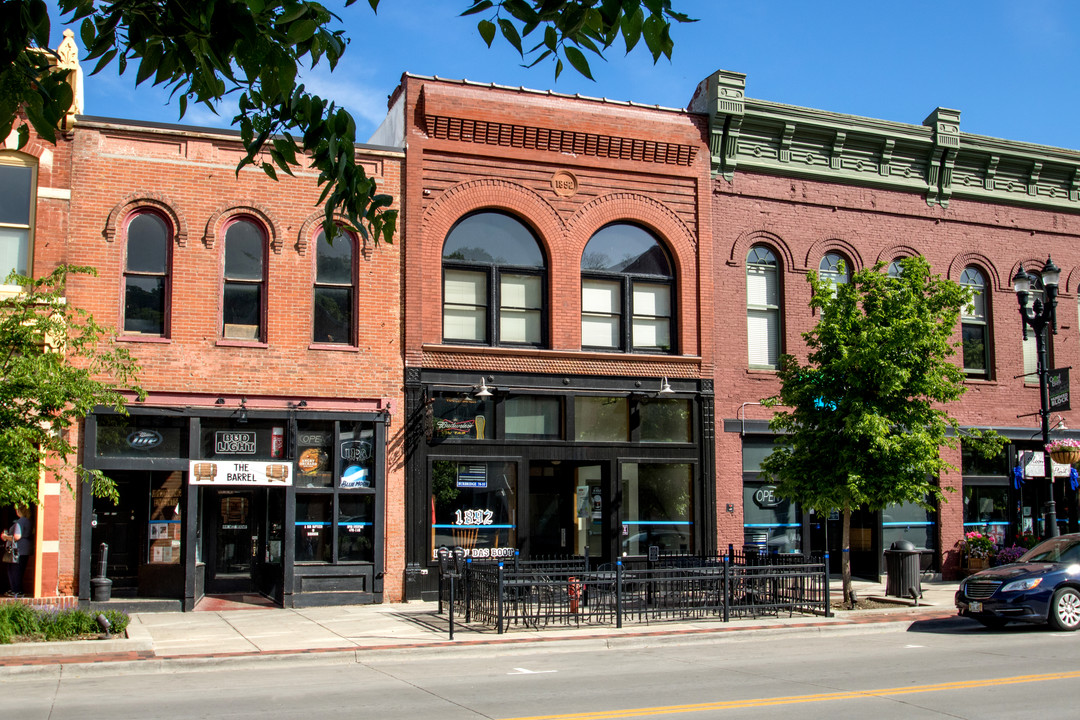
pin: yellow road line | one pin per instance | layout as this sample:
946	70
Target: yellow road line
796	699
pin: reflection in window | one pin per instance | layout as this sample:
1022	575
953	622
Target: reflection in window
626	273
532	416
485	252
657	507
16	212
973	325
333	292
356	528
314	542
763	308
601	419
835	268
986	509
243	298
473	506
664	420
908	522
769	523
146	276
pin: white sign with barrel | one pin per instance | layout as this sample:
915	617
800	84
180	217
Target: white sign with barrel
239	472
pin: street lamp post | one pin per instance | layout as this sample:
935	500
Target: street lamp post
1043	312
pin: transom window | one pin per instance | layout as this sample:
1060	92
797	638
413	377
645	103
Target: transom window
493	282
763	307
333	294
17	181
626	273
974	329
896	269
146	275
244	296
835	268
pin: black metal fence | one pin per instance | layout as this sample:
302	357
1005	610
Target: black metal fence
567	592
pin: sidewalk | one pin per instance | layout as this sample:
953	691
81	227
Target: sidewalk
350	632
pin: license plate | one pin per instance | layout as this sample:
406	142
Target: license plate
975	606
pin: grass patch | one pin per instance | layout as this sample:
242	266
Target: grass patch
19	622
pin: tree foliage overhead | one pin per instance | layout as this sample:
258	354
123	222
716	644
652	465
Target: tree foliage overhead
51	358
203	50
864	420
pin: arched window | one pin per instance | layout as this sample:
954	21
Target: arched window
18	180
493	282
244	294
333	296
974	327
763	307
626	273
895	268
146	275
835	268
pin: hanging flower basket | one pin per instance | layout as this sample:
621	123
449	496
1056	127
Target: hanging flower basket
1064	451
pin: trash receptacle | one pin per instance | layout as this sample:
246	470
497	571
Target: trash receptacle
755	544
903	579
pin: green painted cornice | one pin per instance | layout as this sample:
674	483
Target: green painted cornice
934	159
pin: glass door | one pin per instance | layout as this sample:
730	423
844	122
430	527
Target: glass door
566	511
233	559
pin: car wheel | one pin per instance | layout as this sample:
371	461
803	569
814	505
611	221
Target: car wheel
994	623
1065	610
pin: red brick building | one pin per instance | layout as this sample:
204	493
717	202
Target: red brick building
267	457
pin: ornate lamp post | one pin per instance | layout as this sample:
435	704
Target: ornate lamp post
1042	312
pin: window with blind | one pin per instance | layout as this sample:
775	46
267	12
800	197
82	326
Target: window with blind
626	292
835	269
1030	350
146	275
17	180
493	282
974	328
763	308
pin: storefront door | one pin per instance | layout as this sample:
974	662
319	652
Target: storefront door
566	511
119	527
235	538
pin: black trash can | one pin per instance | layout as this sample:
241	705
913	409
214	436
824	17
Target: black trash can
902	565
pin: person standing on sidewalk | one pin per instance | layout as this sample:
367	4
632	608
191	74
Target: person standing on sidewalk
19	532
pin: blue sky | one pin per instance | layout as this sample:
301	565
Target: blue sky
1008	66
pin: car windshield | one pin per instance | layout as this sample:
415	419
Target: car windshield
1054	550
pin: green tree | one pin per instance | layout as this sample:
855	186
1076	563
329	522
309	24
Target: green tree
52	361
864	420
203	50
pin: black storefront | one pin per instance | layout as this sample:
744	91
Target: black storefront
225	500
555	466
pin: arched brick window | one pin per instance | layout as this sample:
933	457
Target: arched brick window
493	282
243	306
975	325
763	317
147	271
626	291
334	293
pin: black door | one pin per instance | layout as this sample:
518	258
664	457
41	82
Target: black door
234	521
120	527
567	503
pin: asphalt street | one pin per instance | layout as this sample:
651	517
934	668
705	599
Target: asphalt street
936	668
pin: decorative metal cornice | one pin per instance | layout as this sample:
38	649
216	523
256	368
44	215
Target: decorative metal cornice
935	159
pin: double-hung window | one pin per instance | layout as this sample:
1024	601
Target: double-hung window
244	294
763	308
493	282
835	269
333	294
146	275
626	291
17	183
974	328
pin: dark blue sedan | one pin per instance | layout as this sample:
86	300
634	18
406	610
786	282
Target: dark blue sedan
1043	586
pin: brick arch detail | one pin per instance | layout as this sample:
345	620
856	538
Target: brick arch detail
819	248
1071	280
631	207
155	201
956	267
308	231
230	210
896	251
741	248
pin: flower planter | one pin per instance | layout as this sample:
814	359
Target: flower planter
1067	456
978	563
